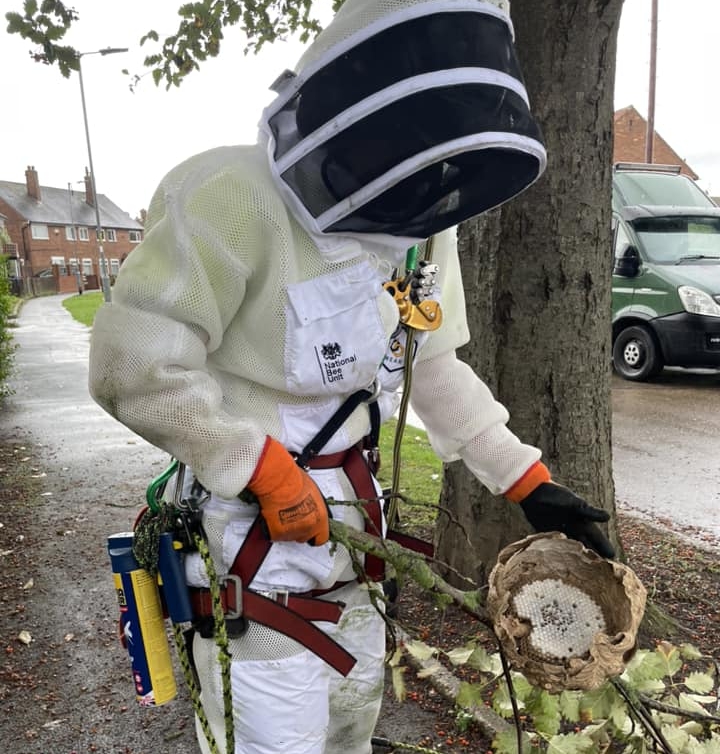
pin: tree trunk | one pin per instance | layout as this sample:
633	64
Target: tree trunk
538	283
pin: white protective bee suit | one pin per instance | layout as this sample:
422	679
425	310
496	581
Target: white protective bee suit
254	307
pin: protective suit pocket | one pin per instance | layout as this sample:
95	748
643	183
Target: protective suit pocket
335	338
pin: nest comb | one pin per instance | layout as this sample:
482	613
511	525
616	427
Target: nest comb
565	617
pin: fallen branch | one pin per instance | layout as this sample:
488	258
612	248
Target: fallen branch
411	565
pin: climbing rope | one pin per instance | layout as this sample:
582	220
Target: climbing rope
392	512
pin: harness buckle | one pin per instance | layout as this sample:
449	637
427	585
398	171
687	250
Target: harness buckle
233	614
281	596
374	389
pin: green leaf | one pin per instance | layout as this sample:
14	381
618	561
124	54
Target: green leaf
460	655
709	746
598	704
571	743
484	662
570	705
469	695
693	727
689	652
700	682
396	659
670	655
501	701
676	737
545	711
419	650
644	666
522	687
619	713
651	686
398	683
430	670
686	702
506	743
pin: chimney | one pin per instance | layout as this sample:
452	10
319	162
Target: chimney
33	184
89	196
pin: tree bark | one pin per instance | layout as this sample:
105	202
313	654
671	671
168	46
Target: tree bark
538	282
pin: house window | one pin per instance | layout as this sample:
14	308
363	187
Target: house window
83	234
114	266
73	265
39	232
70	234
87	266
110	234
59	262
135	236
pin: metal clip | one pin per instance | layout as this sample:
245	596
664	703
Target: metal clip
238	611
374	389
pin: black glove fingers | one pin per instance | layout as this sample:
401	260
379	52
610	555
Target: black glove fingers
591	513
591	537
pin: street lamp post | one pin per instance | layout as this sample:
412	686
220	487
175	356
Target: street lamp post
78	271
104	278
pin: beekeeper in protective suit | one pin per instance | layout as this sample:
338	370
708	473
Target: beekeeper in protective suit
254	315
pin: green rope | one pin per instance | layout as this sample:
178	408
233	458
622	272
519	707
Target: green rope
146	539
193	688
221	639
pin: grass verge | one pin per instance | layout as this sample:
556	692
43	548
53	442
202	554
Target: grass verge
83	307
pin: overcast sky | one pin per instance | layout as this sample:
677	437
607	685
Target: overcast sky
137	137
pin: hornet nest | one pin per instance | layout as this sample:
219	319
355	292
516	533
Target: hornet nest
565	617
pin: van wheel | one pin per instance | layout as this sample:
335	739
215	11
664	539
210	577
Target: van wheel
635	354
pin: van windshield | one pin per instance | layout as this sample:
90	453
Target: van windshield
679	240
666	189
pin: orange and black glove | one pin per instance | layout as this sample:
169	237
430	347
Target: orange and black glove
293	507
552	507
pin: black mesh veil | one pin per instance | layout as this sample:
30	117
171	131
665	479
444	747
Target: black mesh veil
414	129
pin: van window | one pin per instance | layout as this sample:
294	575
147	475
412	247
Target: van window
658	189
622	240
668	240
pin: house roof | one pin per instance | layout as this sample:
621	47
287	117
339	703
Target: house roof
63	207
629	143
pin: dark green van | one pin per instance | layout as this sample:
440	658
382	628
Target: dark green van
666	275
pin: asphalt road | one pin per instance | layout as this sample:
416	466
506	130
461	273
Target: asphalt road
666	451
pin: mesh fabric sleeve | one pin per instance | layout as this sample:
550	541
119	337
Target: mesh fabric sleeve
174	297
465	422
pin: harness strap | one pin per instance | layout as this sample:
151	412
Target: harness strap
359	473
290	617
313	448
303	604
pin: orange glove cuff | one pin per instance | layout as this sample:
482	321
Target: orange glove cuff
290	502
536	475
276	472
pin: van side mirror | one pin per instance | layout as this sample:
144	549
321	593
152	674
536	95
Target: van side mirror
627	264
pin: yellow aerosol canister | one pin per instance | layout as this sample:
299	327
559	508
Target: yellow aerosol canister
142	624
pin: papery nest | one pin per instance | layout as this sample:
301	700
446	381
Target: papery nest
565	617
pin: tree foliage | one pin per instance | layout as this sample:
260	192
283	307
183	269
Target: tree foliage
198	36
7	347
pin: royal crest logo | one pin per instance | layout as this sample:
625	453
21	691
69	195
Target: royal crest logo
330	351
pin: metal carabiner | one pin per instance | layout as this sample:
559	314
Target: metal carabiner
156	488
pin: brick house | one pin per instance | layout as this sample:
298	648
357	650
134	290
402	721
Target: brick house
629	142
53	234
